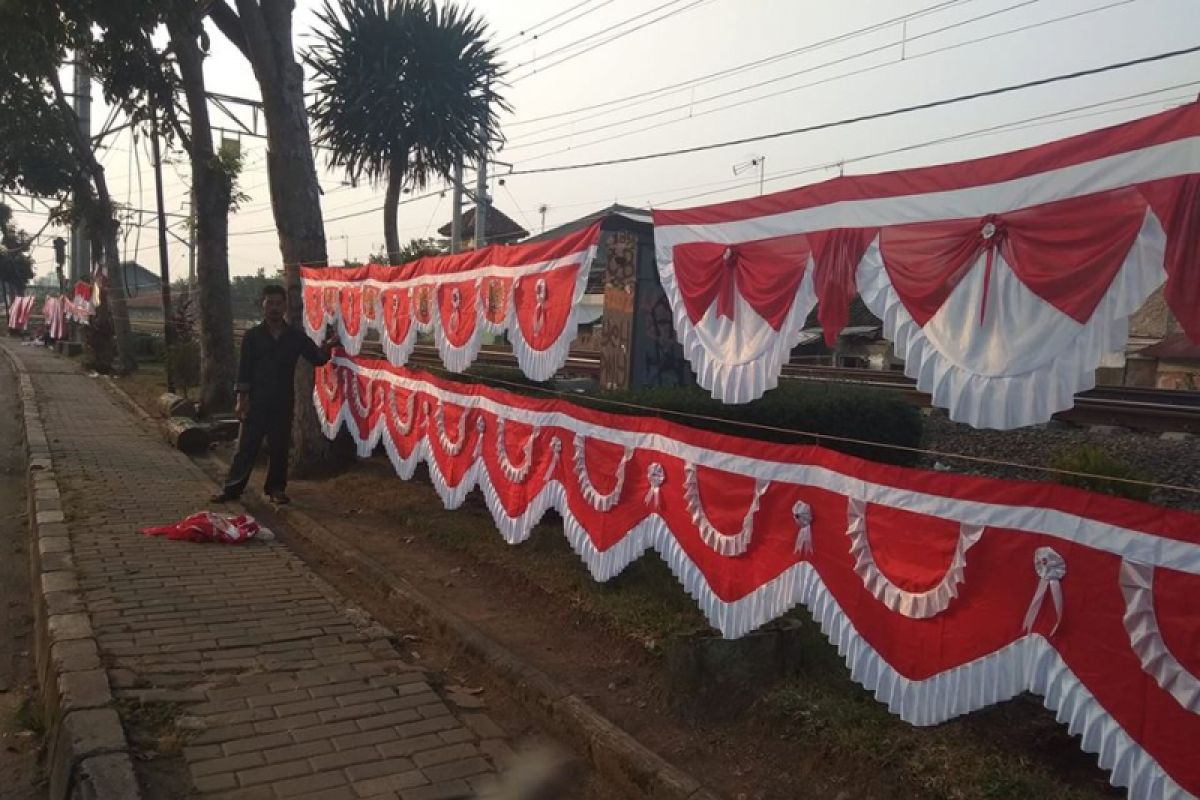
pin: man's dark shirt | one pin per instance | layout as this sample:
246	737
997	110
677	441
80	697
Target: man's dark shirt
268	365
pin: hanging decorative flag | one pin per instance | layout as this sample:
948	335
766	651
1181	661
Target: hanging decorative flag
1001	281
529	292
54	312
19	312
944	593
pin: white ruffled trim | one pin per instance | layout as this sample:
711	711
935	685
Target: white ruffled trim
602	502
512	472
1012	401
1030	664
1146	640
538	365
915	605
457	358
450	447
726	544
352	344
746	381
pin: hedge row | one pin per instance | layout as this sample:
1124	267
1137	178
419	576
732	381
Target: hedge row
798	412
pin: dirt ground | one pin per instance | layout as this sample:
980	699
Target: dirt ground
20	716
814	735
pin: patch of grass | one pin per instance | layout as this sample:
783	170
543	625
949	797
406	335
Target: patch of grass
29	716
1095	462
151	726
1002	753
644	602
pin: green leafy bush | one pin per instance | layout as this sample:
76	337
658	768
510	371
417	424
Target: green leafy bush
1094	462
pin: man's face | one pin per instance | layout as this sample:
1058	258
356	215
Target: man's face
274	306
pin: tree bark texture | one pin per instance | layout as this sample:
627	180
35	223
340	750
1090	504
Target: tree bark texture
211	188
263	30
391	208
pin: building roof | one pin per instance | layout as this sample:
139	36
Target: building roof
1176	347
639	215
500	226
138	277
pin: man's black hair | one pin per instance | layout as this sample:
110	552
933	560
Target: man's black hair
273	289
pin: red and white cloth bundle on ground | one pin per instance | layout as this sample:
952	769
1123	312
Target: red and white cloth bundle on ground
206	526
528	291
944	593
1001	281
19	312
54	311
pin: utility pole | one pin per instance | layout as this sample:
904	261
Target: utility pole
456	216
481	196
163	269
81	100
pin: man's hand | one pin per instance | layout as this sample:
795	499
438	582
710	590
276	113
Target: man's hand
242	410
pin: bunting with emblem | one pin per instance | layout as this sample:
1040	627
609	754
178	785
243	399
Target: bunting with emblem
944	593
528	292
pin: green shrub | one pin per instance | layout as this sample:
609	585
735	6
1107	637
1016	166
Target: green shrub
813	410
1094	461
185	366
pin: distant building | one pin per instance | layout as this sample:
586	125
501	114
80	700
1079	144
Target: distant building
500	229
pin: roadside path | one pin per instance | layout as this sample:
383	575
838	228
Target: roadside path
279	687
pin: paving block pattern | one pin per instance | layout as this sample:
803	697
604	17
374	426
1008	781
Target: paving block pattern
283	689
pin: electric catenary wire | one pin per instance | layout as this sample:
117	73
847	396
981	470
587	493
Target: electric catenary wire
1001	90
820	82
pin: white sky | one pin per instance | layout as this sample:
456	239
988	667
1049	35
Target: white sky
704	37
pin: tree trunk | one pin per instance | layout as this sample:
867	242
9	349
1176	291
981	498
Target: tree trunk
211	188
263	30
105	220
391	207
125	364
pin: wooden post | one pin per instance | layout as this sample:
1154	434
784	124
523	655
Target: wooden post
620	282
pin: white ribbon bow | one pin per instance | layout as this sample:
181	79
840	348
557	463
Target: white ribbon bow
1050	568
802	513
656	475
455	305
540	293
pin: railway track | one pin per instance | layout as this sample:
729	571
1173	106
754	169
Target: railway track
1141	409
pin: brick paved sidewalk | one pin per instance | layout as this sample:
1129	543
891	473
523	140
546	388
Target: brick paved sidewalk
288	691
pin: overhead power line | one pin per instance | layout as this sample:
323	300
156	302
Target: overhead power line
534	36
962	98
811	84
649	95
1020	124
619	35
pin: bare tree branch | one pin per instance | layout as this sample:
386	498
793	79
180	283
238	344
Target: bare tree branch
228	22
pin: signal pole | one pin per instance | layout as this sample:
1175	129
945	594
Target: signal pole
481	197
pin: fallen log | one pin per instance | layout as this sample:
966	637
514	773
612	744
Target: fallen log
186	435
172	405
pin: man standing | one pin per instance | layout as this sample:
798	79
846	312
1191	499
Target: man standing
264	395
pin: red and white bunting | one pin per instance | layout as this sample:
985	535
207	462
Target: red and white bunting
19	312
944	593
528	291
1001	281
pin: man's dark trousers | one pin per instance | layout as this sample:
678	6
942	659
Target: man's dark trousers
276	425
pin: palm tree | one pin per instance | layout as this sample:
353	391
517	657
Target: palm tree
402	88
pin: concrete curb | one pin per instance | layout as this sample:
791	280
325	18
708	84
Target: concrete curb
629	764
87	755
